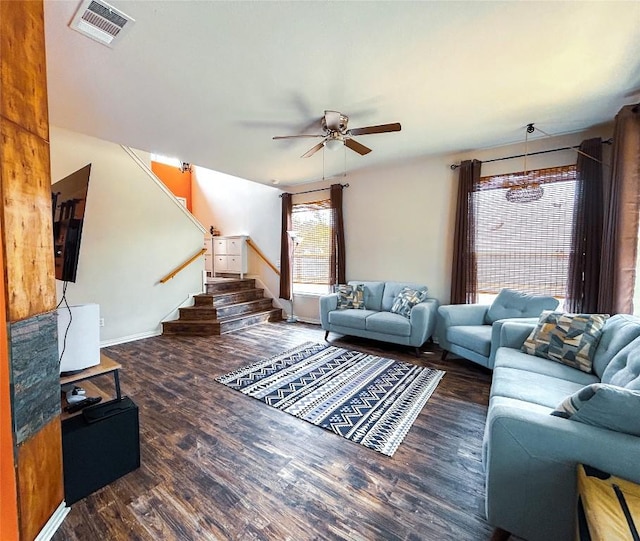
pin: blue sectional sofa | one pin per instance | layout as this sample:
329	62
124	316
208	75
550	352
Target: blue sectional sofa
376	321
530	456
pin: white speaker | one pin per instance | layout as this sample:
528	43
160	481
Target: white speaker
81	324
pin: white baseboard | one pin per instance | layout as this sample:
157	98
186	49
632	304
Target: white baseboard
130	338
52	525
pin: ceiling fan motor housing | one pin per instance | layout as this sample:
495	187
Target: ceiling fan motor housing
333	121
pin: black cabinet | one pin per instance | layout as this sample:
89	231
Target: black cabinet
99	446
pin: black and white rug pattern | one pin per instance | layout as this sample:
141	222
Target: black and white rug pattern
367	399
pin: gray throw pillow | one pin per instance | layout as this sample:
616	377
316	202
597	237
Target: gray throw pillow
604	406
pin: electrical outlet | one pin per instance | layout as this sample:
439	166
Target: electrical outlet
102	322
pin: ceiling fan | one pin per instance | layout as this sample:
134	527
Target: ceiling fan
336	134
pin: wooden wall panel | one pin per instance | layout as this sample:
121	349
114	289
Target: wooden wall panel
39	479
27	251
23	80
28	229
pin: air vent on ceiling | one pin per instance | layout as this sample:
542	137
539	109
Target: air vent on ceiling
101	22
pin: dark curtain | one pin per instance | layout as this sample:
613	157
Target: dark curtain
583	281
285	247
464	283
620	236
338	258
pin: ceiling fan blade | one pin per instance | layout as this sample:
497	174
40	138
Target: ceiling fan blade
359	148
382	128
296	136
312	151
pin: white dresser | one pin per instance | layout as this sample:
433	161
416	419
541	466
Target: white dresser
208	256
230	255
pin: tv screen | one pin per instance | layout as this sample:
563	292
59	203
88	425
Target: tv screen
68	202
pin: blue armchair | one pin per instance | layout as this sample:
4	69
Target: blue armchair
473	330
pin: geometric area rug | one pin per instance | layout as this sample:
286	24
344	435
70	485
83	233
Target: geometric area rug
367	399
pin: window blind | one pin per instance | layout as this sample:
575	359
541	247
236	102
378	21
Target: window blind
523	236
314	223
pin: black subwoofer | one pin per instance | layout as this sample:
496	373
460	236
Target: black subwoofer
99	446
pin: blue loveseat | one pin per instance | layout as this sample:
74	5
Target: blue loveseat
530	456
376	321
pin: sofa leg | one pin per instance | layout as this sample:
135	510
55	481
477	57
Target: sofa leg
444	355
326	336
500	535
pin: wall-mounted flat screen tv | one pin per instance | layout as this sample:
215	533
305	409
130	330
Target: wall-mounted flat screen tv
68	202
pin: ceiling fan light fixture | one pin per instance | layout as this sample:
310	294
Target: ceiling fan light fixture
333	143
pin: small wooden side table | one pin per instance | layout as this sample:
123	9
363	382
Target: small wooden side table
106	366
608	507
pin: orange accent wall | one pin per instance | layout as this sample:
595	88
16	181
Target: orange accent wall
179	183
8	487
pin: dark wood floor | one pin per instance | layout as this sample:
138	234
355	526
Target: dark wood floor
219	465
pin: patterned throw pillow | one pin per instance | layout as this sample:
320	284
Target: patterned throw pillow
350	296
605	406
406	300
569	339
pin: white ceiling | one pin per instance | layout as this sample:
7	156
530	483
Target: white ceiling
211	82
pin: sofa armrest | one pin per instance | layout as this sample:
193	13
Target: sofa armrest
514	336
450	315
463	314
530	464
514	333
327	304
423	321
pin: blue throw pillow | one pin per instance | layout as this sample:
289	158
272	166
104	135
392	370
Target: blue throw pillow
407	299
604	406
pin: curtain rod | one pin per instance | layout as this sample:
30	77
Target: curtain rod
606	142
318	190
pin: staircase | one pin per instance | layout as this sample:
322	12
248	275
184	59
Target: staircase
228	305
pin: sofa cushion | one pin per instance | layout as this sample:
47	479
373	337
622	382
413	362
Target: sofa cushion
530	387
473	337
570	339
624	368
619	330
406	300
511	304
350	318
350	296
372	294
606	406
513	358
391	290
388	323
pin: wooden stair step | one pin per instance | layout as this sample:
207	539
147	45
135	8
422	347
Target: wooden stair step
191	313
193	327
235	297
226	285
241	308
231	324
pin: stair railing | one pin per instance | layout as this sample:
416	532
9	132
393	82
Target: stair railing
259	252
182	266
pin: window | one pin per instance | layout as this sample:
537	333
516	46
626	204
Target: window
523	234
313	222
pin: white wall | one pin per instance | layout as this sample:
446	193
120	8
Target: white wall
399	219
134	233
237	206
